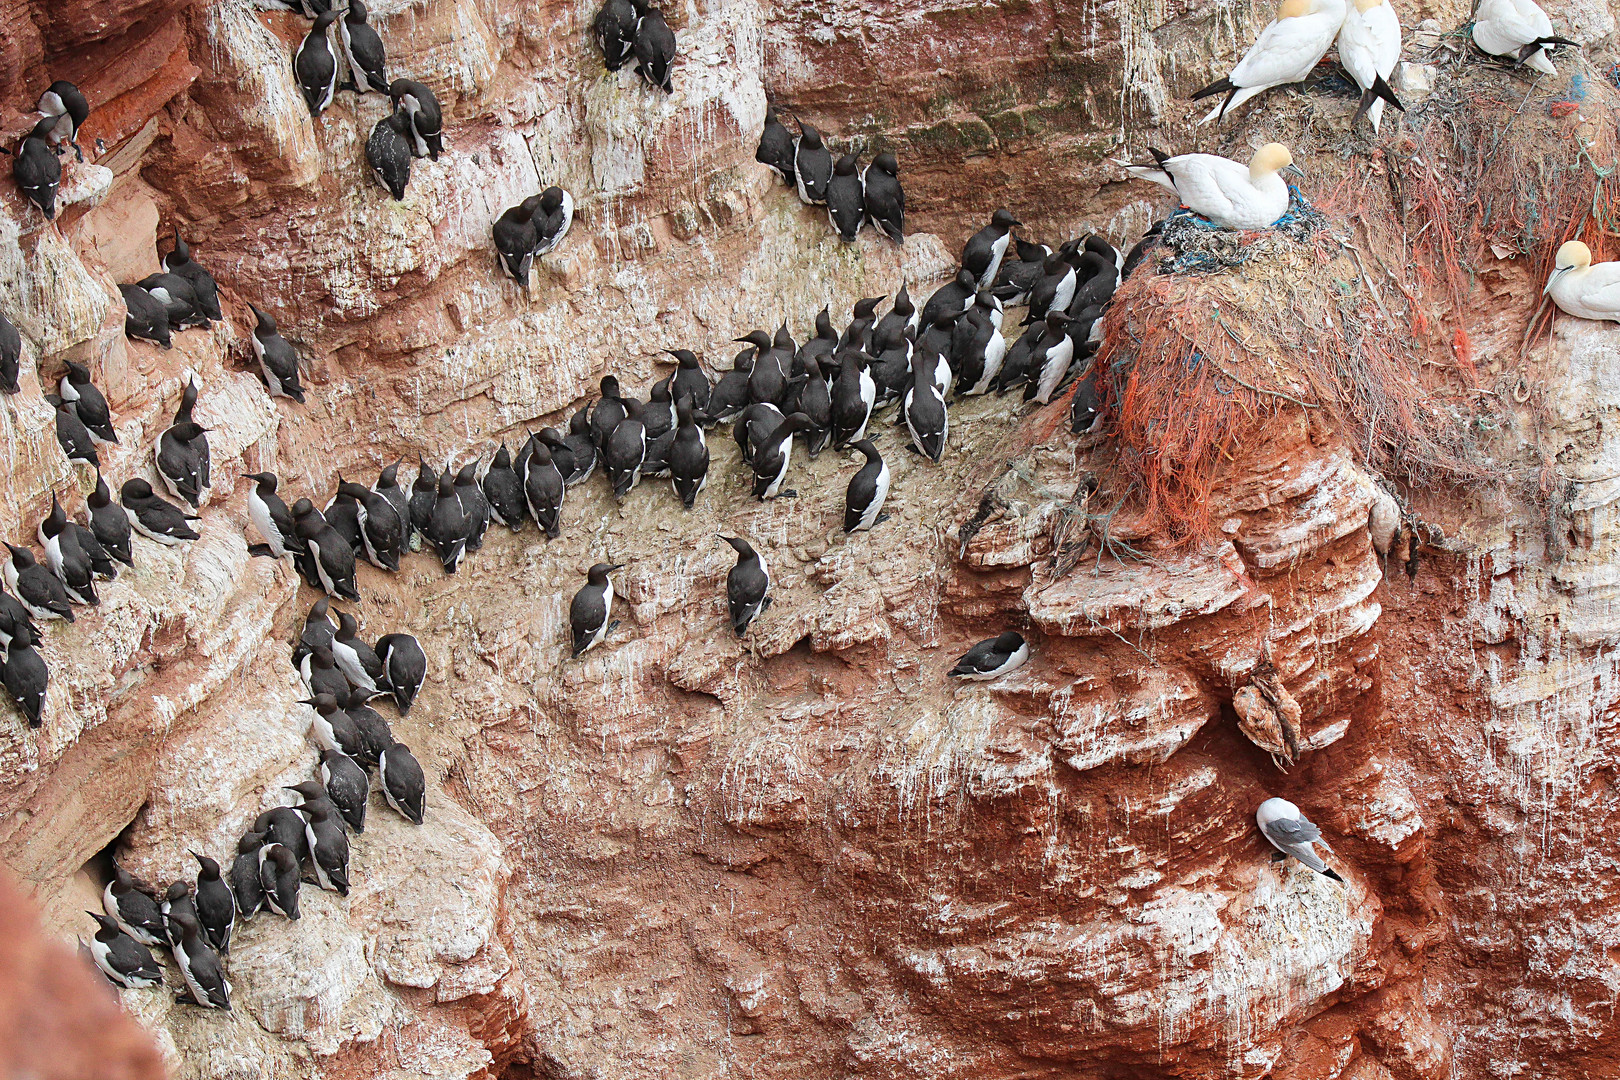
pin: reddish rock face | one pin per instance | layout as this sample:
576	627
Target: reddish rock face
807	854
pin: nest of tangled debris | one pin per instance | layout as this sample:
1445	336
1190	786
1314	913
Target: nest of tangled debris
1195	365
1190	244
1362	313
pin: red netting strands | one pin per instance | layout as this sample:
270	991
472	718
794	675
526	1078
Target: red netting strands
1194	367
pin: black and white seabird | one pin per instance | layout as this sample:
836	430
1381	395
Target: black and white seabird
552	222
1015	366
615	31
176	902
854	393
333	728
901	316
179	460
66	559
331	556
689	382
654	47
278	361
992	658
424	495
387	486
812	166
35	168
71	434
375	735
845	208
1292	834
658	415
382	530
515	238
270	517
1054	290
343	514
125	961
982	254
767	375
179	299
346	785
25	674
589	611
88	402
775	144
145	317
280	825
772	454
753	424
891	367
814	400
977	351
883	198
923	409
562	454
279	876
937	335
581	445
747	585
1084	407
325	679
404	665
820	346
626	450
358	661
503	490
368	59
328	841
868	488
244	875
315	67
449	526
954	297
473	501
10	357
607	413
543	489
403	784
110	523
389	154
216	905
1017	276
14	616
134	909
40	591
179	262
1050	358
318	630
68	105
198	442
101	562
688	457
730	395
427	120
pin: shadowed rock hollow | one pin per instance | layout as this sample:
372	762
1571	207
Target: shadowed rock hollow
809	855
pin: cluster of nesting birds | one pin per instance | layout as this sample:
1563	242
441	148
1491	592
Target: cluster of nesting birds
78	555
852	195
1235	195
628	30
194	920
825	391
415	127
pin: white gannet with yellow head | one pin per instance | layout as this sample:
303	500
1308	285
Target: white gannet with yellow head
1369	49
1584	290
1230	194
1285	52
1518	30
